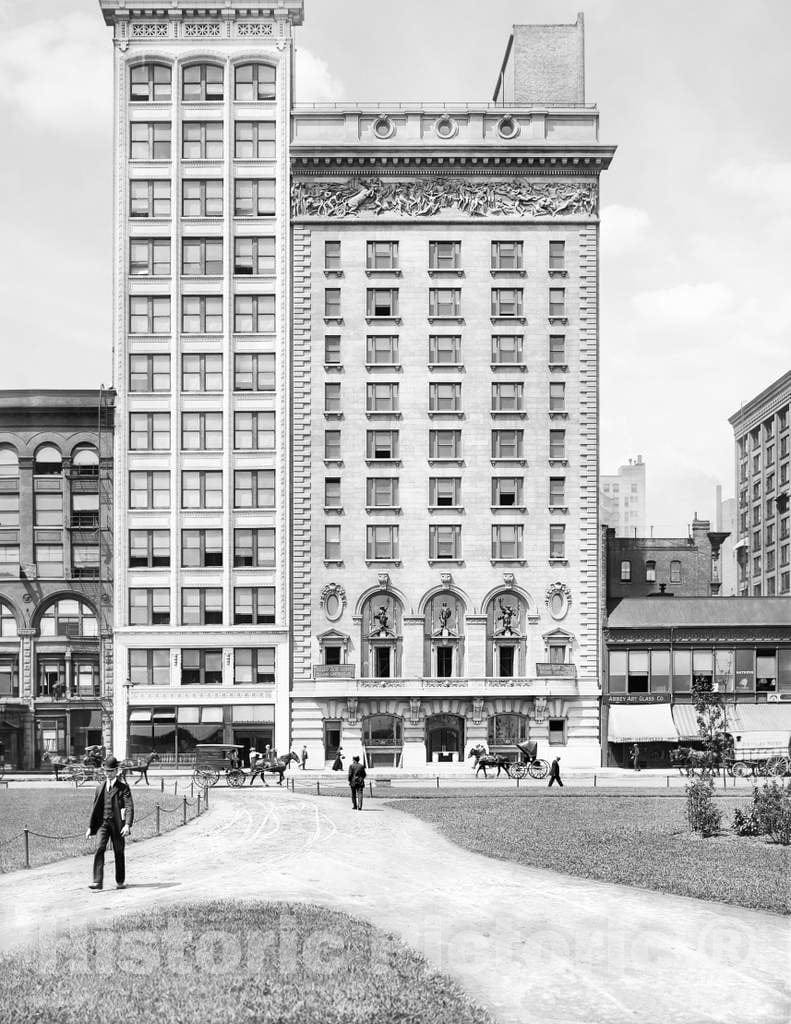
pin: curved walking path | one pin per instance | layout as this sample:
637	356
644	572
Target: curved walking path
527	943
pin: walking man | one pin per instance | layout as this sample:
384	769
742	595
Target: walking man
111	817
554	772
304	757
636	757
357	783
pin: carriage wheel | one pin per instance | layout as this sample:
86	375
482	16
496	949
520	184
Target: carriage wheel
211	775
539	769
783	766
741	769
235	777
518	770
199	777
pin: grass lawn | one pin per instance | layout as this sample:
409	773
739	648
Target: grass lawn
232	961
635	840
64	813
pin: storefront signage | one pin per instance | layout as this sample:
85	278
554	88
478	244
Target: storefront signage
638	698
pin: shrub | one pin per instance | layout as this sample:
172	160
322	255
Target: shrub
772	811
745	823
703	814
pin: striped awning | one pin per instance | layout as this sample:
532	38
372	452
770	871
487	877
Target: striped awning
641	722
685	718
760	725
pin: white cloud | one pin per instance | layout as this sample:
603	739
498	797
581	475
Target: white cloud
57	73
315	81
622	227
766	180
684	304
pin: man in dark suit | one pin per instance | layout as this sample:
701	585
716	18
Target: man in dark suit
111	817
356	778
554	773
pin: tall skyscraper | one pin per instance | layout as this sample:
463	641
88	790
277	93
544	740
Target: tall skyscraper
622	499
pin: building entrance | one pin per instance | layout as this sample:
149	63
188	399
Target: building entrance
444	738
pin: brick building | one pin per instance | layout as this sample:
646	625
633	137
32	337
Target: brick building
55	573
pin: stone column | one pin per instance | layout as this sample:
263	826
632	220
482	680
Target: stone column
27	678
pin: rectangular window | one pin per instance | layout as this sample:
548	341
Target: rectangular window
332	445
507	349
254	665
254	257
49	560
557	396
507	255
254	197
332	492
254	314
149	667
149	83
201	667
557	349
201	257
444	349
149	373
85	510
254	371
508	397
149	549
626	571
382	444
201	314
332	303
149	606
254	431
381	350
201	606
201	140
149	198
201	431
507	444
557	541
202	83
149	314
254	548
381	492
202	197
254	488
381	397
506	302
675	572
507	542
149	489
660	671
9	561
444	302
444	255
381	544
254	83
149	431
557	444
444	397
201	373
507	491
332	349
444	542
557	255
254	140
557	302
557	492
444	492
149	140
332	256
201	549
444	444
149	257
650	572
332	398
557	731
381	256
201	488
332	543
253	606
381	302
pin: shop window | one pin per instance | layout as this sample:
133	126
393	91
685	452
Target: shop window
638	672
617	671
507	730
766	670
682	671
660	671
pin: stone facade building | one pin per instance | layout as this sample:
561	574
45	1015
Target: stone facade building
56	592
623	500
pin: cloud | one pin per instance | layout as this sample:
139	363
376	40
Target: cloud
622	227
57	73
765	180
315	81
684	304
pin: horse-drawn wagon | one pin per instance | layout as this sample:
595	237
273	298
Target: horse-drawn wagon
214	759
527	762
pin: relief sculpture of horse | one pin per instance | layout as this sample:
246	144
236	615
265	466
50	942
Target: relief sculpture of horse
277	767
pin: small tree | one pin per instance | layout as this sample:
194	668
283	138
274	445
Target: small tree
710	712
703	814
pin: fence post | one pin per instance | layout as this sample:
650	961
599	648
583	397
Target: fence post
162	784
318	788
198	804
667	782
192	788
205	798
184	810
371	789
438	782
594	780
517	782
27	846
157	819
175	787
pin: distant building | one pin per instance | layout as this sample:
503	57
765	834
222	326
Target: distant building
55	573
763	457
725	511
622	499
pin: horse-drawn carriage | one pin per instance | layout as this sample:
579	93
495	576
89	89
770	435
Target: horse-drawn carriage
739	761
215	759
527	762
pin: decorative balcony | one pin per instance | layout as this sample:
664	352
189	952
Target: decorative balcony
340	681
333	671
552	670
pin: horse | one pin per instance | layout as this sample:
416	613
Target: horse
689	760
141	767
277	767
484	760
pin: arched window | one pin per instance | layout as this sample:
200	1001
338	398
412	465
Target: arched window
202	83
506	618
254	82
380	649
48	461
8	628
9	463
383	739
443	636
9	495
150	83
86	462
505	731
68	617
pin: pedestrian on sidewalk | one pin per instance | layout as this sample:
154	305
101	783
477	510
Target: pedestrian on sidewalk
304	757
636	757
337	764
112	816
357	783
554	772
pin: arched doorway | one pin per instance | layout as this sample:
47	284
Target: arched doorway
444	738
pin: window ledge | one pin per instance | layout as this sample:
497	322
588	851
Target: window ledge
508	366
446	561
383	561
336	321
333	462
558	415
558	462
333	561
508	461
509	412
382	271
558	366
508	508
445	462
333	367
445	366
505	272
454	413
333	414
446	319
558	508
557	272
251	217
508	319
375	414
558	561
445	508
244	276
396	320
383	462
333	510
445	272
333	273
557	320
390	509
508	561
388	367
161	277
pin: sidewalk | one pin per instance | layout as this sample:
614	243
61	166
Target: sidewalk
526	943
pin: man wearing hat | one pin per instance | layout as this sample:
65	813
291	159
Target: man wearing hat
111	817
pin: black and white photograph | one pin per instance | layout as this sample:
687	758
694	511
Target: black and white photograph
395	512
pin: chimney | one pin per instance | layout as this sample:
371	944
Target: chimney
543	64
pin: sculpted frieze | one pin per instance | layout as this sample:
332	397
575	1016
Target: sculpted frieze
428	197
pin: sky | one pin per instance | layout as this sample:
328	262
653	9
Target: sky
696	207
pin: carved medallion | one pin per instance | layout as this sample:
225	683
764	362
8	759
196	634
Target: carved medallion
558	599
333	600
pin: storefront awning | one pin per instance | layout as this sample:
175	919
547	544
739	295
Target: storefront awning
685	718
254	714
142	715
759	725
642	722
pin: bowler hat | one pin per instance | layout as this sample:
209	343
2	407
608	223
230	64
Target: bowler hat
110	762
